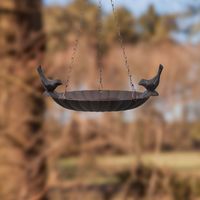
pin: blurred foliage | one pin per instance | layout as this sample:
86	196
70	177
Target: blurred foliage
149	22
62	22
195	133
181	188
83	14
155	27
127	26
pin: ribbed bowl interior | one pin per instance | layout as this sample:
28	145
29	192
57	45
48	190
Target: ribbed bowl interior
105	95
99	101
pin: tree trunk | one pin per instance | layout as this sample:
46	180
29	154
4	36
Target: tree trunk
22	161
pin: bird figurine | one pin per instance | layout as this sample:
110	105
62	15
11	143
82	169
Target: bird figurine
49	85
153	83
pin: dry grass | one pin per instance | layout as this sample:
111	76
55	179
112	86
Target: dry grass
187	163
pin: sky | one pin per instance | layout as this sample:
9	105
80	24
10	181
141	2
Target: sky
140	6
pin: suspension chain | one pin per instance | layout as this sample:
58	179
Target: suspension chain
122	46
69	70
74	50
99	52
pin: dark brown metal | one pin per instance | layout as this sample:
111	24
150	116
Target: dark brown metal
100	101
153	83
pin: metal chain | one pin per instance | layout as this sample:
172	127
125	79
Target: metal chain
122	46
99	53
74	50
75	47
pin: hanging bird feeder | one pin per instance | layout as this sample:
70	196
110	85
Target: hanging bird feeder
100	100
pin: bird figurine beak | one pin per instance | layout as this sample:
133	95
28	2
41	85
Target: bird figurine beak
154	93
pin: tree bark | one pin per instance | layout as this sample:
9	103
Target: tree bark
23	169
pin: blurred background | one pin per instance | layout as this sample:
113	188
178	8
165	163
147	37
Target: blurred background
49	153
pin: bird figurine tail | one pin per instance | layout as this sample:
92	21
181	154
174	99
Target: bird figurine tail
42	76
153	93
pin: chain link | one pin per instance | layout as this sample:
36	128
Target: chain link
99	52
69	71
122	46
74	50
